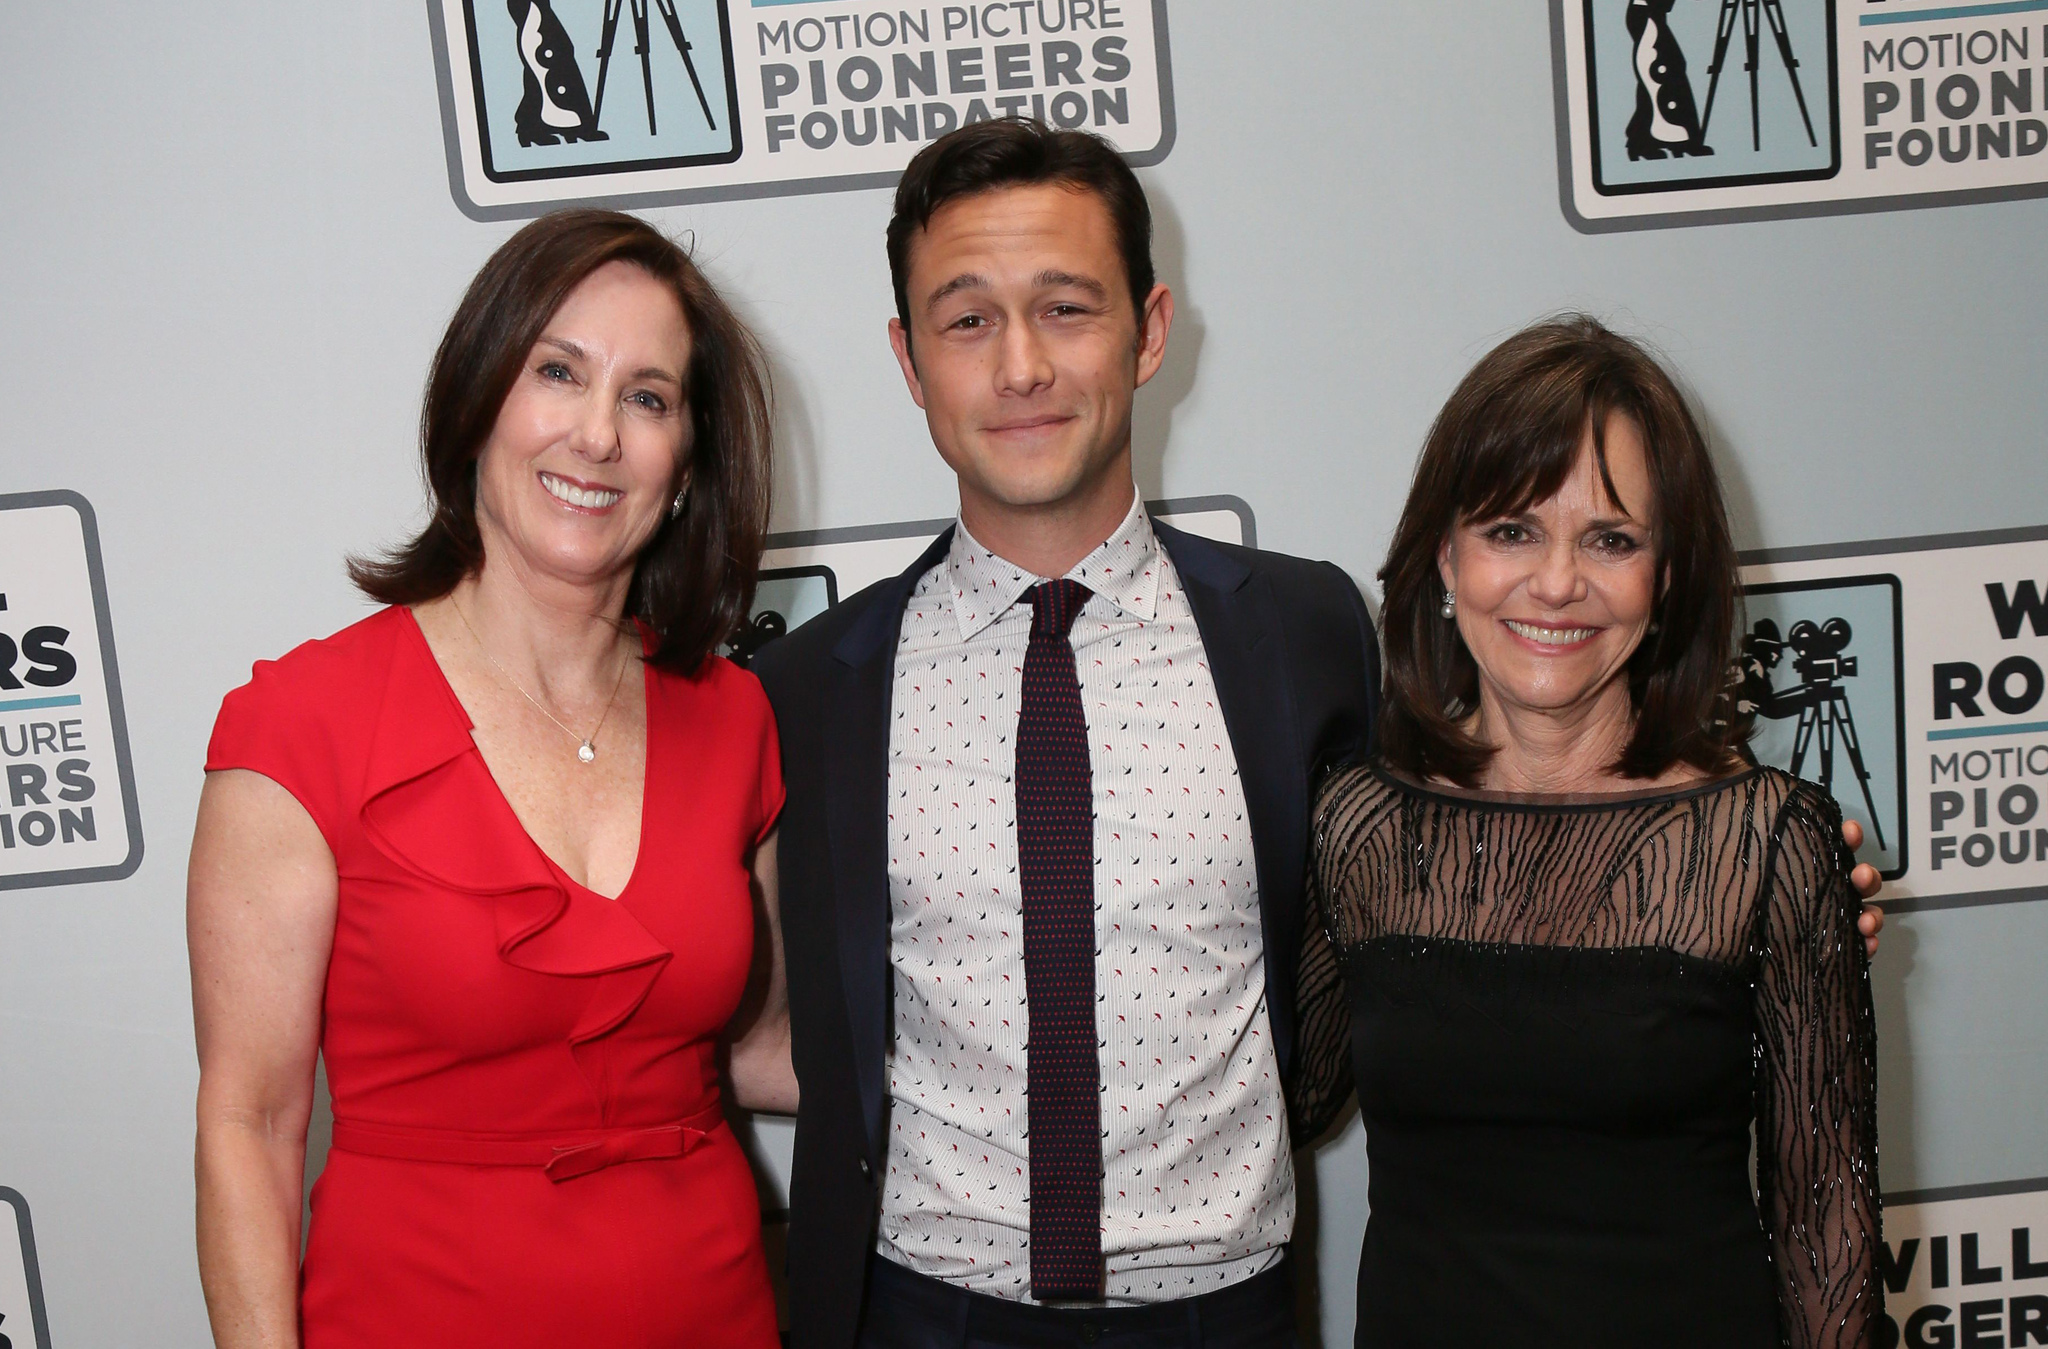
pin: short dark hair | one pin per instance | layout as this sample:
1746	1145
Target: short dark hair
1020	152
694	581
1509	437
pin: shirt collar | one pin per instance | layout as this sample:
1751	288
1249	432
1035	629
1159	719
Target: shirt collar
1123	569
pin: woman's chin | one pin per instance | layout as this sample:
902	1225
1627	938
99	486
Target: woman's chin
579	562
1557	693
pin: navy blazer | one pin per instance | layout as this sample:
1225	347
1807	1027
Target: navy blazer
1291	649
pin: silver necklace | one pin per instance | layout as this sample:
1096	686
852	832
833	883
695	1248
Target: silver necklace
586	749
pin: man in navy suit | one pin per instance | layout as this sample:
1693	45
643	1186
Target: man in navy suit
1041	864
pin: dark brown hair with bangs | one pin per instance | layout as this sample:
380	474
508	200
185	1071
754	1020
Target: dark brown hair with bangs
1508	438
694	581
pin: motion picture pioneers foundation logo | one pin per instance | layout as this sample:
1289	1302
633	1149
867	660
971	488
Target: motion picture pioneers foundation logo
654	101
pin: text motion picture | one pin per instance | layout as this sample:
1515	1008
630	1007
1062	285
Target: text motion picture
925	91
1914	113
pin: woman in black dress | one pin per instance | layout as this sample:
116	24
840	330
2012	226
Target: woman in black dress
1583	946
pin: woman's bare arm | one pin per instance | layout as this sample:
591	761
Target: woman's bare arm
260	907
762	1076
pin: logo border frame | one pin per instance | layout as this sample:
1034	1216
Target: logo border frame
451	145
117	716
38	1312
1898	590
732	111
1605	189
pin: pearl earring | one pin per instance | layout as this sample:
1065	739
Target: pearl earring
1449	608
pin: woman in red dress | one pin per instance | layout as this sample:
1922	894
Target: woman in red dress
498	852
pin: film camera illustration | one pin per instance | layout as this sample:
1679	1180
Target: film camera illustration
1663	118
785	598
543	110
1818	699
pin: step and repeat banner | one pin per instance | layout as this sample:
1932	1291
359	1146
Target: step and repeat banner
220	317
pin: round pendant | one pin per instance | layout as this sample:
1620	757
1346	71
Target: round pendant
586	752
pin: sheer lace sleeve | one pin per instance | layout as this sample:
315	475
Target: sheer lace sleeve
1321	1082
1816	1084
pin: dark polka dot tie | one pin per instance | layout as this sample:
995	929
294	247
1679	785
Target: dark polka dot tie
1056	874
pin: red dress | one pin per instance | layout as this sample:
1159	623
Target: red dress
528	1148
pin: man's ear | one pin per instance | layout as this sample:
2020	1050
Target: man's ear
899	342
1155	321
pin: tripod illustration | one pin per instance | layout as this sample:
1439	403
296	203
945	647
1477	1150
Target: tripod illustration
1772	11
644	49
1819	700
1824	717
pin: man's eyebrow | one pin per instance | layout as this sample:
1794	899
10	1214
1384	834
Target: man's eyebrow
1050	279
964	281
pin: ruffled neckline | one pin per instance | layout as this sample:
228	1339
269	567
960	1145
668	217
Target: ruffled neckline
431	805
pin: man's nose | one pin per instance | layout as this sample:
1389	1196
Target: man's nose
1026	364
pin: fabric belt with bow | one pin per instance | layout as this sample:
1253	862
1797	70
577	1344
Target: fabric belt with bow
562	1156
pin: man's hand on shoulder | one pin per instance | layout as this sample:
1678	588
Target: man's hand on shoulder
1867	883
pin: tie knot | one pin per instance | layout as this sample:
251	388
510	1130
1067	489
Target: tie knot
1053	606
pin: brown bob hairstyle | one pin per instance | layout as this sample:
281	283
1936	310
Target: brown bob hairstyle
1508	438
694	581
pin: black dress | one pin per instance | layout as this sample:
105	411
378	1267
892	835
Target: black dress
1563	1015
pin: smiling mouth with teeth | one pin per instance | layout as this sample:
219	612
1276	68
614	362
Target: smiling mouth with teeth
1549	636
594	499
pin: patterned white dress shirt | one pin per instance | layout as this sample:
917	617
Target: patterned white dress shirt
1198	1187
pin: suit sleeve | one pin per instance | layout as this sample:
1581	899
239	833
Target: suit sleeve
769	794
1364	696
1320	1082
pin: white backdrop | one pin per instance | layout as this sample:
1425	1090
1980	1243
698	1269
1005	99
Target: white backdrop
230	245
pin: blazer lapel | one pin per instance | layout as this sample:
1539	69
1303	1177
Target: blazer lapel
857	813
1254	687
